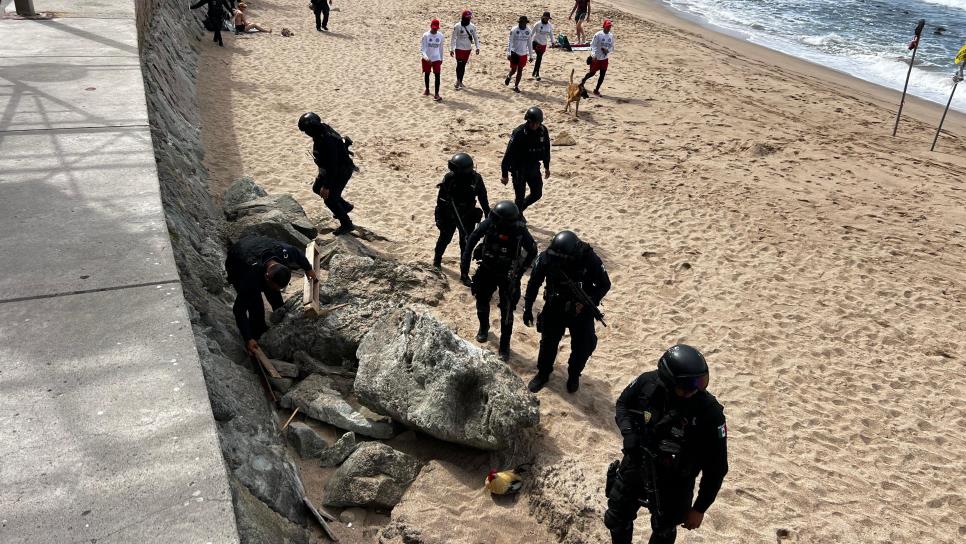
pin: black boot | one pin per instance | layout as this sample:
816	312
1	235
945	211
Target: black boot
573	384
537	383
438	262
482	334
345	228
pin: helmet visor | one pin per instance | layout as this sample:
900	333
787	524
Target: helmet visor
692	383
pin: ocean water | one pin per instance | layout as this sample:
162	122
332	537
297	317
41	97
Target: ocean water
864	38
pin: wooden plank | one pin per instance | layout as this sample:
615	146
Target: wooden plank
265	382
310	288
320	519
290	418
326	311
266	364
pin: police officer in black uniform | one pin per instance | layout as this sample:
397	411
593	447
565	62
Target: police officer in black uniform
567	260
258	265
673	429
507	250
218	11
529	147
456	207
332	156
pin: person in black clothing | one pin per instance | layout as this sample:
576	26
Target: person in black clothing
507	250
332	156
567	259
321	9
673	429
456	207
258	265
529	146
218	11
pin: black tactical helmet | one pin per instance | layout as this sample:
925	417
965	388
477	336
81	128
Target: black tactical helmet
565	245
505	212
683	366
534	114
461	163
310	123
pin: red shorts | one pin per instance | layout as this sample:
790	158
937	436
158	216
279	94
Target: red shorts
463	54
521	62
539	48
596	65
436	66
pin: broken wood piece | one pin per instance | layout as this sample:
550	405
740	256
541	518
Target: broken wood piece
290	418
310	287
266	364
325	514
320	519
326	311
265	381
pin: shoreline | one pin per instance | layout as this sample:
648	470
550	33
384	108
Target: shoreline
920	109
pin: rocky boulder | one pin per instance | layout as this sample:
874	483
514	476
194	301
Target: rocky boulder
317	398
305	440
241	191
251	210
338	452
375	476
283	203
414	369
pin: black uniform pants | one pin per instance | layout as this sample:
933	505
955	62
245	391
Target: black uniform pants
336	204
527	178
486	282
321	10
583	339
624	494
448	225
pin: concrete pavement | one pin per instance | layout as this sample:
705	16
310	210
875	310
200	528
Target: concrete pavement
106	432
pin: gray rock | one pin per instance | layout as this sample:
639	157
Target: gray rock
266	472
310	365
305	440
285	369
414	369
257	523
282	385
316	398
375	475
242	190
273	224
338	452
283	203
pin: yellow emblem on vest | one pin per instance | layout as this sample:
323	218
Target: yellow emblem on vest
647	417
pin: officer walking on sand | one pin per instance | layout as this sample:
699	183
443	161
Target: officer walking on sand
456	209
321	10
257	265
334	159
576	283
673	429
507	250
529	146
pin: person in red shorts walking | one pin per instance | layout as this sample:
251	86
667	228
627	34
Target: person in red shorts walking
464	39
600	49
542	35
518	49
431	49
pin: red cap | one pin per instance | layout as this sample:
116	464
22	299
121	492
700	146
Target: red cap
467	14
607	23
434	23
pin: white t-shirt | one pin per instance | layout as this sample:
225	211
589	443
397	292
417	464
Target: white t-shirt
542	32
464	37
601	41
521	41
431	46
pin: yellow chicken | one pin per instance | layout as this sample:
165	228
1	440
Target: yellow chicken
505	482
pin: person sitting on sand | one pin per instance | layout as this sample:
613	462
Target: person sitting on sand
242	24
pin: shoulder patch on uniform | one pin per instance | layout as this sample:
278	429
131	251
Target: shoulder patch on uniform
647	416
723	430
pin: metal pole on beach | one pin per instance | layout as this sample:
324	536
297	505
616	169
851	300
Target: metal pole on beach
915	48
956	79
25	8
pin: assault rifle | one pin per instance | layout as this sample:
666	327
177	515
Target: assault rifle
651	497
583	298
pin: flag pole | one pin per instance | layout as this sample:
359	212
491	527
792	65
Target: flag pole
912	62
956	79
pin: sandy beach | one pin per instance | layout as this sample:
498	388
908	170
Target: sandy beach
744	202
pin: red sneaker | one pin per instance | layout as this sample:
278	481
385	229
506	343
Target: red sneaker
426	92
596	92
438	98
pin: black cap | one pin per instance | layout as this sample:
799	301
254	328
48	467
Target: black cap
546	15
523	19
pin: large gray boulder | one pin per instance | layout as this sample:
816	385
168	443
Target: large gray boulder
273	224
317	398
334	456
283	203
414	369
242	190
305	440
375	476
251	210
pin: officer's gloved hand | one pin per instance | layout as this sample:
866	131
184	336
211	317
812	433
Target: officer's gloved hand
528	317
632	444
278	315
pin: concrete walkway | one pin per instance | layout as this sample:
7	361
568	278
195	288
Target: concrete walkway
106	432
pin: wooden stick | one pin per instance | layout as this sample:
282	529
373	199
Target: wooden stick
266	364
310	288
290	418
326	311
325	514
320	519
265	381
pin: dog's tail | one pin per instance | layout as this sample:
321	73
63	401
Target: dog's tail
572	70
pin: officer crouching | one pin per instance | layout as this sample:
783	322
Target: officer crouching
673	429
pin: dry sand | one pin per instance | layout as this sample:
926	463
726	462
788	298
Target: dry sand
743	202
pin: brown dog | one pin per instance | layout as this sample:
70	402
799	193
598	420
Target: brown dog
575	91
